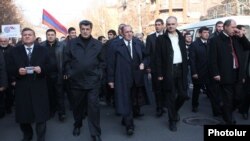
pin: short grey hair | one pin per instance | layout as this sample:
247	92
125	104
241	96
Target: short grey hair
171	17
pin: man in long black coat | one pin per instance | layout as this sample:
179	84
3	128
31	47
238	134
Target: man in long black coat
6	96
125	74
29	63
227	63
3	81
83	60
171	66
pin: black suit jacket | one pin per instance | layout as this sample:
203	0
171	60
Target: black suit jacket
150	48
198	57
221	59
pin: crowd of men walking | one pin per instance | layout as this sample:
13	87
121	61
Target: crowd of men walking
125	72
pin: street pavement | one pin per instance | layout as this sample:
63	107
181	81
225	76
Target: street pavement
147	128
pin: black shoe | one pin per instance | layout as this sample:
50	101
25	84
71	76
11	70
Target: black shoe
130	131
172	126
195	109
96	138
76	131
245	116
61	117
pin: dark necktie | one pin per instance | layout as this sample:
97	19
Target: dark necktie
129	49
29	53
236	63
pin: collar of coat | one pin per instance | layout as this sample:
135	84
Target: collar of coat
178	32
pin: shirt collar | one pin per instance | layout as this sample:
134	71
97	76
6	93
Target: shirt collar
203	41
225	34
173	34
158	33
32	46
126	42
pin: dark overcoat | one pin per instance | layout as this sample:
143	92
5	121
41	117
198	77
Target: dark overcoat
164	60
221	58
3	74
198	57
31	94
121	72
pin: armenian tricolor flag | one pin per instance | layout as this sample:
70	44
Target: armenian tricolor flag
53	23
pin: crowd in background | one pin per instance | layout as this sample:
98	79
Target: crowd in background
125	72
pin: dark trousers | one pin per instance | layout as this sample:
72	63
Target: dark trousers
213	96
230	94
196	92
133	107
157	89
67	89
28	131
216	97
56	96
6	100
87	101
2	103
244	108
177	95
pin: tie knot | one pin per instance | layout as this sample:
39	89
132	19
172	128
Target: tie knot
29	49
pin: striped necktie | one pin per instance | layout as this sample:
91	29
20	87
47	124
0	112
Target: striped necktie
29	53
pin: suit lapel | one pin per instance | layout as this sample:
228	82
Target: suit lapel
34	55
137	49
124	51
24	55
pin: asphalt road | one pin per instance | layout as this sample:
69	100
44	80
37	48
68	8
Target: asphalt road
148	128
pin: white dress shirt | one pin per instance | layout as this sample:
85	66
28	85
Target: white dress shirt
177	51
27	51
131	48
